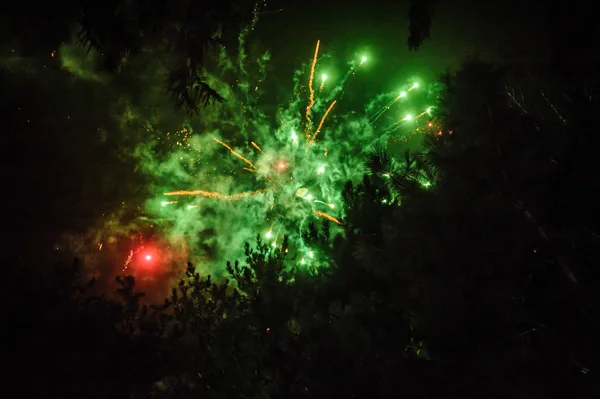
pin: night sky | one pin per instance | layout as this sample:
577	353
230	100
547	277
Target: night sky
310	208
461	29
55	150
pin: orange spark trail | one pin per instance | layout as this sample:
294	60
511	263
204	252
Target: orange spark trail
420	115
255	146
311	101
234	153
326	216
322	121
214	194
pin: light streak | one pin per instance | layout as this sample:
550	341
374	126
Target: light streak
326	216
312	139
214	194
311	100
255	146
323	79
234	153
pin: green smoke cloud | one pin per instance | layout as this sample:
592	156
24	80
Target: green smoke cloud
289	184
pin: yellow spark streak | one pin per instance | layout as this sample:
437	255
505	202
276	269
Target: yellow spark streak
214	194
420	115
248	169
322	85
234	153
311	101
128	260
326	216
322	121
255	146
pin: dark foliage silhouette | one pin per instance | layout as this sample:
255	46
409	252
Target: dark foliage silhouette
465	270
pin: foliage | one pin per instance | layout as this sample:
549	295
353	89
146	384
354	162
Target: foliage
419	16
181	34
465	270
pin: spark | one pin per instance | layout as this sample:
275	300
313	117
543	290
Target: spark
312	139
128	260
332	206
386	107
326	216
311	101
323	79
234	153
396	125
255	146
214	194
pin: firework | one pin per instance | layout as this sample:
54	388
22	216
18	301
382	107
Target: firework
217	205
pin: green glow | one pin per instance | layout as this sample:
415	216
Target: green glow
267	181
408	117
415	85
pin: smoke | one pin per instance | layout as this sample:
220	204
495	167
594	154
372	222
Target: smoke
273	180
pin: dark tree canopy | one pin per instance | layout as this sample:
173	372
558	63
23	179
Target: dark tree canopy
181	33
467	269
419	17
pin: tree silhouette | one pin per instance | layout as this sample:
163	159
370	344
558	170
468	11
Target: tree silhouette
182	34
419	16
